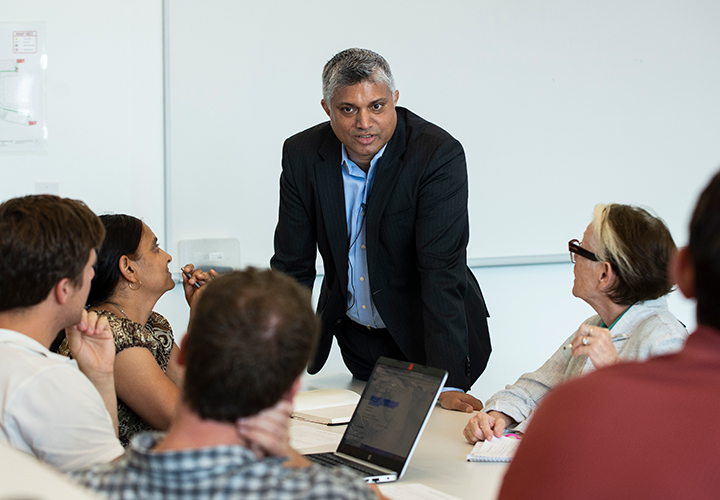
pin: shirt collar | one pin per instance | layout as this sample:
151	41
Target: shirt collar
186	464
347	162
21	340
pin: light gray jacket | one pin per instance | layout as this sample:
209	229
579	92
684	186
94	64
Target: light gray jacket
651	331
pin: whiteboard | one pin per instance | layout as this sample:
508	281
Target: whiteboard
104	106
559	104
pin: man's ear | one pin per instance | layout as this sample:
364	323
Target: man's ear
294	389
325	107
682	272
396	97
62	290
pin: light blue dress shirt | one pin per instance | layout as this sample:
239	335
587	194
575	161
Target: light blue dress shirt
357	185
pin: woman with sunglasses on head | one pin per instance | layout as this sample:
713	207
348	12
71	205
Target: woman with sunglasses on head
621	270
131	275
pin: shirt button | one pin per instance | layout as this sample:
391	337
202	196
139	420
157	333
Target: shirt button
362	246
362	278
364	306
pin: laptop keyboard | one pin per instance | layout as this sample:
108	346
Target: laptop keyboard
331	460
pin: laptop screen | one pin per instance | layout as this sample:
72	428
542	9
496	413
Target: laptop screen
391	413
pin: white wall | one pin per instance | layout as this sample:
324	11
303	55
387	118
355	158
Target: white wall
559	104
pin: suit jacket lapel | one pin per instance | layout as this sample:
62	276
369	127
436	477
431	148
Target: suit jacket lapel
386	176
331	195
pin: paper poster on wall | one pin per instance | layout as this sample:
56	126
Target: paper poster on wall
23	62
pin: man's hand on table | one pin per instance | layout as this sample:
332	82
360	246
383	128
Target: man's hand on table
459	401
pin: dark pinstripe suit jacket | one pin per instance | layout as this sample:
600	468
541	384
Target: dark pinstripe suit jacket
417	233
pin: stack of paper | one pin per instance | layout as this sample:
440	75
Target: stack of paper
326	406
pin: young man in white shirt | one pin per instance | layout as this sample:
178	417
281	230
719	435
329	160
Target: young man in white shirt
61	410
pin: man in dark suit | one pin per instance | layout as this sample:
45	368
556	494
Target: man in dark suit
383	194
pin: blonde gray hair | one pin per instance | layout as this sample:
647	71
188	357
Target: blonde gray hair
638	246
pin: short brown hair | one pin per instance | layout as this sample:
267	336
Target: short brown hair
44	239
250	336
639	248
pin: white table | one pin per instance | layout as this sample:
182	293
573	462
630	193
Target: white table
439	460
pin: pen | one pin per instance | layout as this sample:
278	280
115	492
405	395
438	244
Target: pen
613	339
188	275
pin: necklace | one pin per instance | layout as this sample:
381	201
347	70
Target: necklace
118	308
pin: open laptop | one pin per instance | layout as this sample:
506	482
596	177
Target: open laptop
388	421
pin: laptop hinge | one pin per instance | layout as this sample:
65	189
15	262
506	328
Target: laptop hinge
365	463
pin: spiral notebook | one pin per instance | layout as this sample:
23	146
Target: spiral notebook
500	449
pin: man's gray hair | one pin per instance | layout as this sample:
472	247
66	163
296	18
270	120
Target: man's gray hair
353	66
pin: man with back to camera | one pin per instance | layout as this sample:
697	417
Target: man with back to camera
638	430
61	410
382	194
250	336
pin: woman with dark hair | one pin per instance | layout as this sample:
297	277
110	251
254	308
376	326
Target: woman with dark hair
621	271
131	275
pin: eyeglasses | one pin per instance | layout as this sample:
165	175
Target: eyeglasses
575	248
